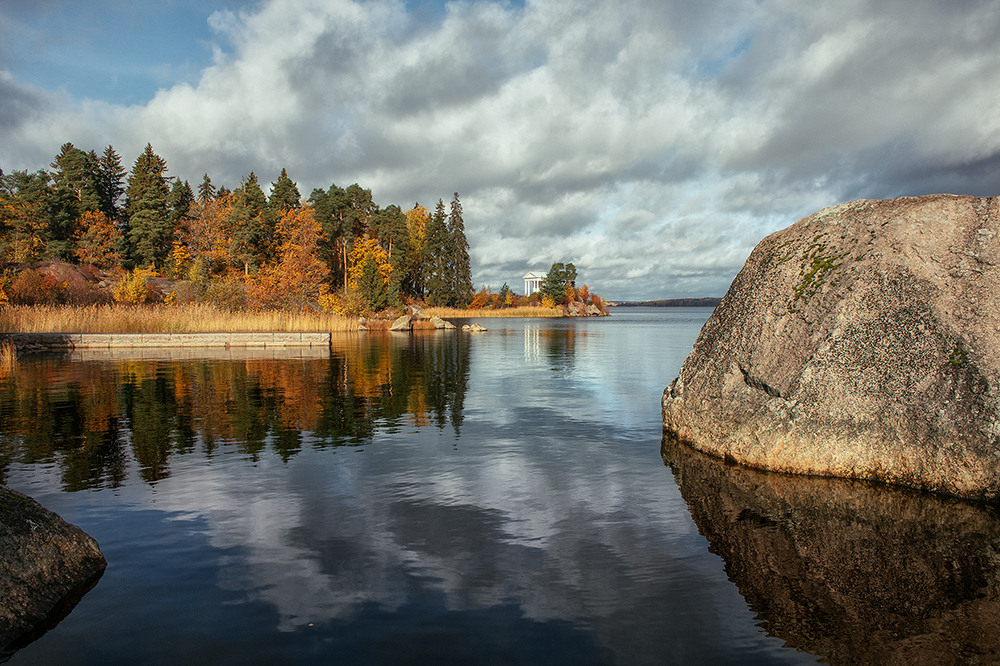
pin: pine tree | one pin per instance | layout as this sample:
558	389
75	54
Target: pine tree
361	207
146	210
25	214
390	226
461	269
74	192
77	171
330	208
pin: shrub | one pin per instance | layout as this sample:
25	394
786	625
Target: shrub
226	293
32	287
132	288
484	299
343	304
85	293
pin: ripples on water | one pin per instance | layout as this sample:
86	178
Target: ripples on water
454	498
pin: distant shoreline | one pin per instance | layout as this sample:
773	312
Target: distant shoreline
669	303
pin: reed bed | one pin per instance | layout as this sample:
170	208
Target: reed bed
453	313
186	318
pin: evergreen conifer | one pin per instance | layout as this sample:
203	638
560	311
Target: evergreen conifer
147	211
461	269
437	267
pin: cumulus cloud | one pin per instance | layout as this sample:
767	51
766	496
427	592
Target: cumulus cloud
651	143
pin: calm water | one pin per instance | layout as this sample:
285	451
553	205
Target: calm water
453	498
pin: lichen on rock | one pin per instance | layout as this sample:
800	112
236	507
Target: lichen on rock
860	342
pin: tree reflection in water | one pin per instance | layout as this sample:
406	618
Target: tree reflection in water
856	573
96	419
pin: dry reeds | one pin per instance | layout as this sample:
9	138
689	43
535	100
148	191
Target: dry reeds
188	318
453	313
8	358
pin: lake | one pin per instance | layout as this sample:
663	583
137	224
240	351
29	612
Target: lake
449	498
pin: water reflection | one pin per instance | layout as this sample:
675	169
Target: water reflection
857	573
94	418
504	508
556	344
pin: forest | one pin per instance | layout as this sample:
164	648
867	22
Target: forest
337	251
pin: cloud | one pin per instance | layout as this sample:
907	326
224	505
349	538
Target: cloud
19	103
606	133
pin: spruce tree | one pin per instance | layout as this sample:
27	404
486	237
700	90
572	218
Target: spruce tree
181	200
284	195
206	191
253	224
461	269
556	280
437	268
147	211
110	179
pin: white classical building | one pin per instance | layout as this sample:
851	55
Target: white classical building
533	282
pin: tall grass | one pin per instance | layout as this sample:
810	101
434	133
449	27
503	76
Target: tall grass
453	313
8	358
187	318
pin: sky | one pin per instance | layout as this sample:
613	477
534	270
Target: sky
653	143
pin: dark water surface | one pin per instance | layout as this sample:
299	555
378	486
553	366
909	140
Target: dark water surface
448	498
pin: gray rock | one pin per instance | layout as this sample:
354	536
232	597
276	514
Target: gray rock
474	328
47	566
860	342
404	323
442	324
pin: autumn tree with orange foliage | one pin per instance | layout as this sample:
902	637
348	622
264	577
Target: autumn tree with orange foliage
207	236
300	278
98	241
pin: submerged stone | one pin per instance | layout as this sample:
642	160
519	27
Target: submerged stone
47	566
860	342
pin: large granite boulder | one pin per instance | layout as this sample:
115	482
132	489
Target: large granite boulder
862	342
46	566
